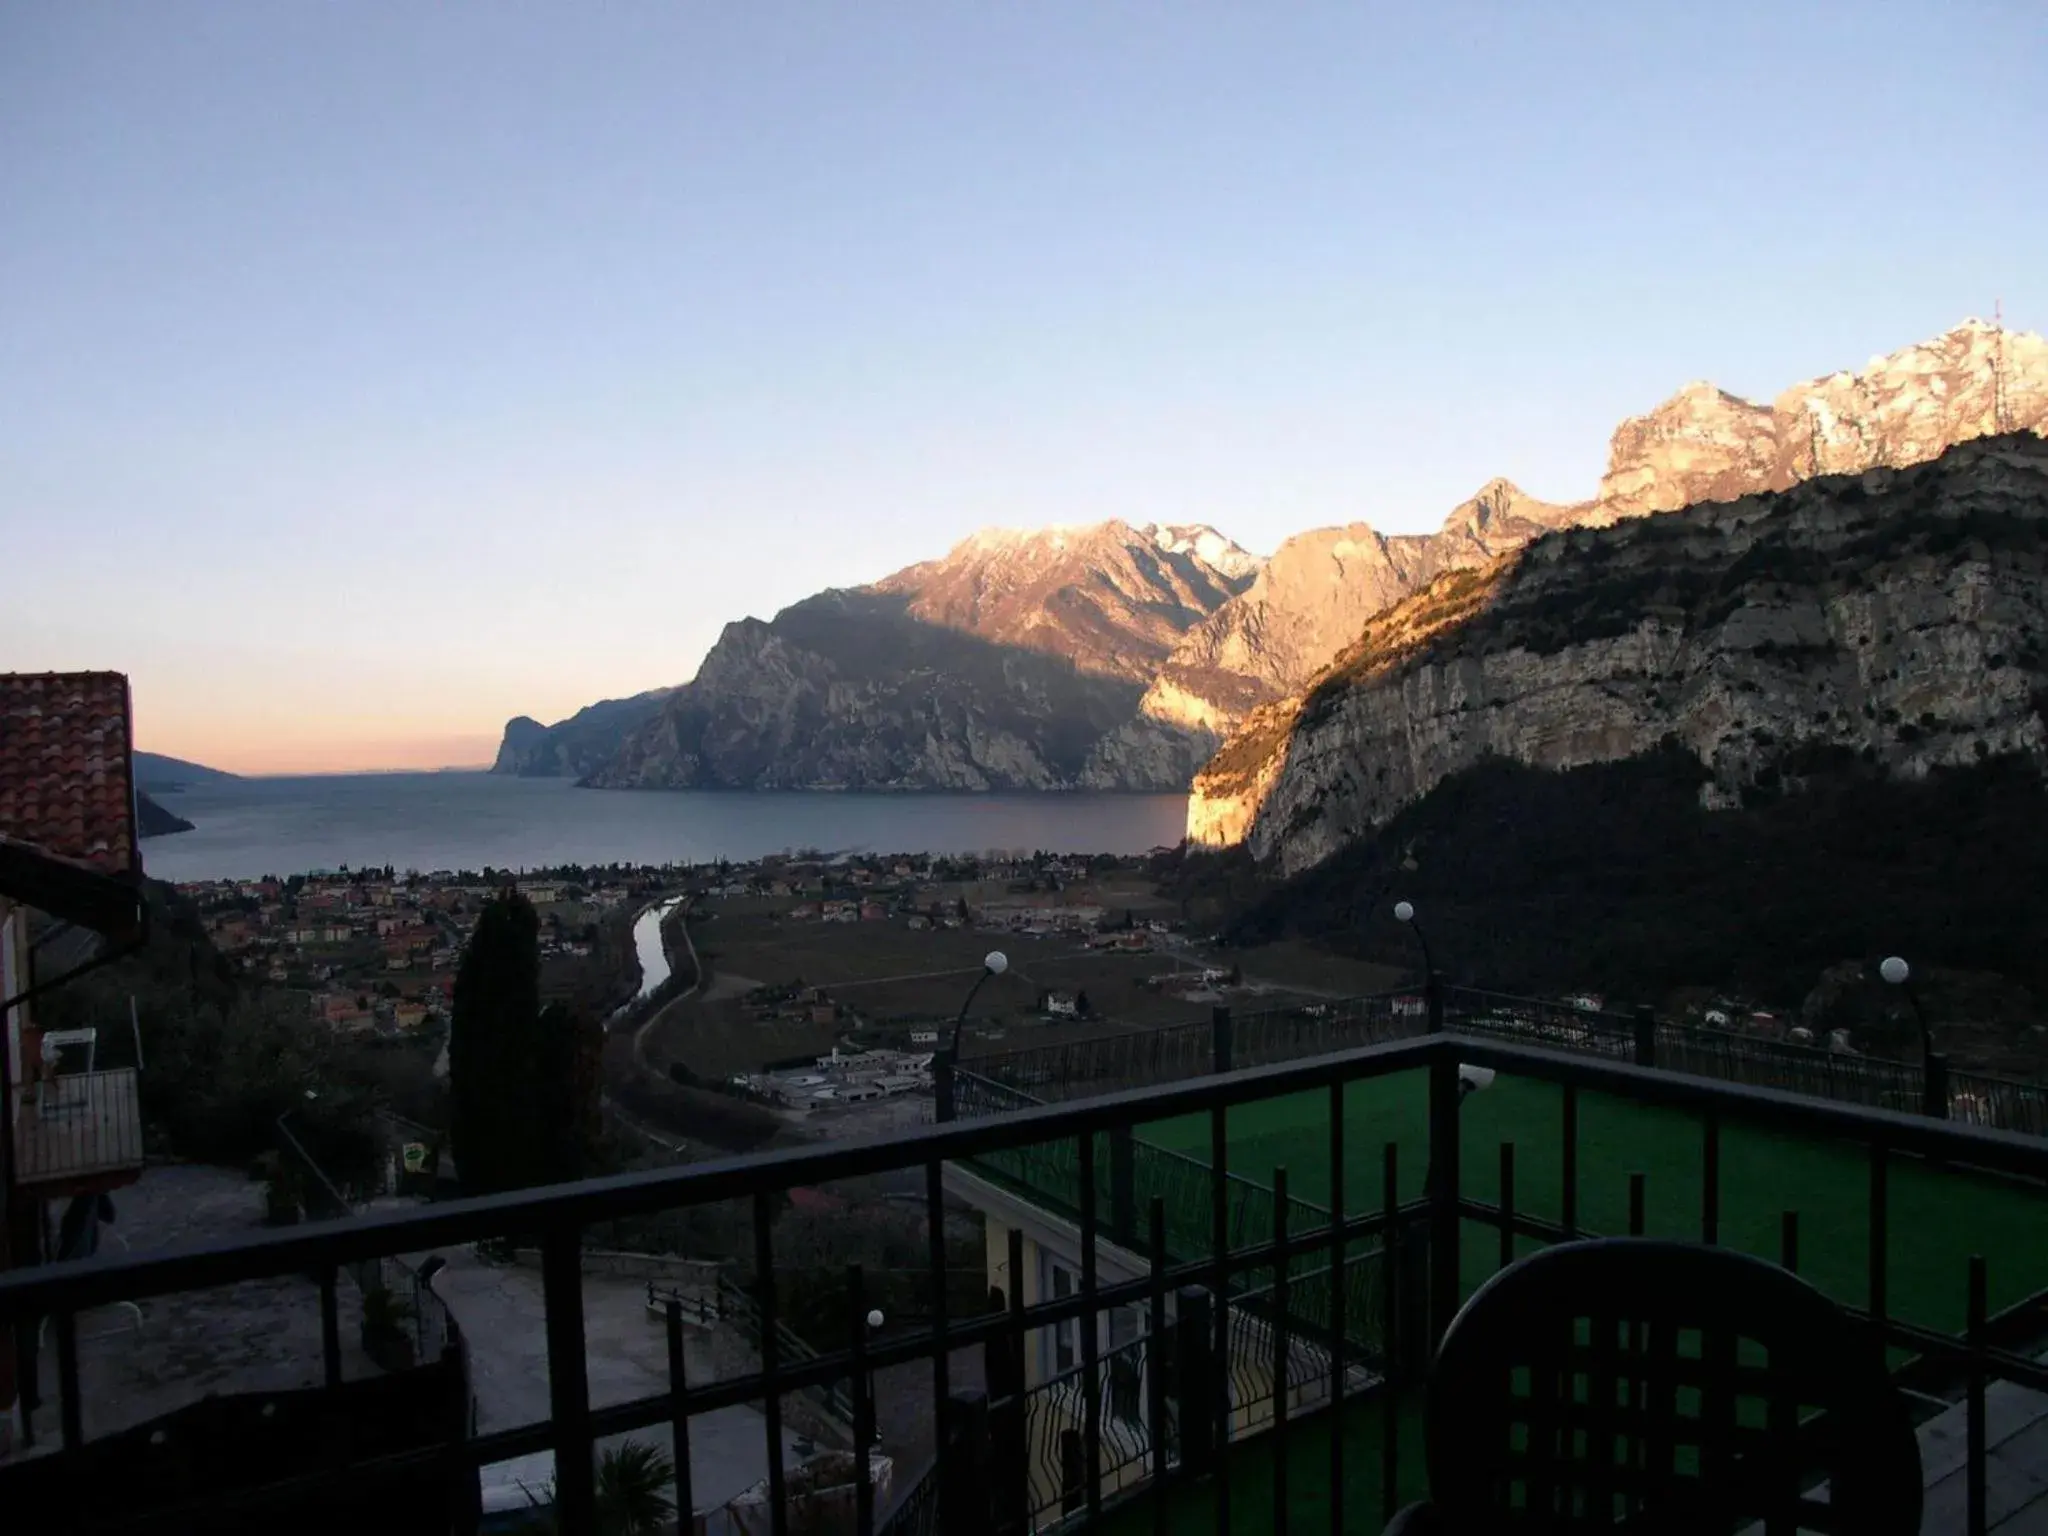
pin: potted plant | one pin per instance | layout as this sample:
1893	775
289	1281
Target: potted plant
387	1338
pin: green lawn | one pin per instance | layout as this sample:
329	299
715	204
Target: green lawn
1938	1217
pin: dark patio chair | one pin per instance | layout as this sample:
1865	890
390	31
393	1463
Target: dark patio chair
1632	1384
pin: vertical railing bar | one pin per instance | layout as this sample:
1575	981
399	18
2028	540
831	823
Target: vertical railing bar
70	1408
1977	1451
1016	1482
1155	1369
1880	1230
1570	1160
771	1361
1507	1204
1710	1180
1219	1199
678	1414
1337	1298
935	1260
1091	1342
1446	1219
863	1403
1393	1245
1282	1345
330	1325
568	1383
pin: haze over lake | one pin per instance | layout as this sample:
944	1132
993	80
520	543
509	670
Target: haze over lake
425	821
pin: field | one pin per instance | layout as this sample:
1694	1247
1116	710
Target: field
887	972
1937	1217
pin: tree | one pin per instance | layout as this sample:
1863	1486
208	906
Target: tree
511	1065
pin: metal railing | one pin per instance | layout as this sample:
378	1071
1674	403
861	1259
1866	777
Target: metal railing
1082	1068
981	1449
77	1124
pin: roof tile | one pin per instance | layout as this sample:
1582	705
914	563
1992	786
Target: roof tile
66	770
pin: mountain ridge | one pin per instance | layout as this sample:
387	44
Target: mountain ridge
1211	634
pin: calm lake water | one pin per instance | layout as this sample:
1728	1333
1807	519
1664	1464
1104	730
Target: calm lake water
426	821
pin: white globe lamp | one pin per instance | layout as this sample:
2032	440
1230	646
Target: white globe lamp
1895	970
996	961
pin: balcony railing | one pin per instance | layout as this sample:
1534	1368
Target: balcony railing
1935	1232
77	1128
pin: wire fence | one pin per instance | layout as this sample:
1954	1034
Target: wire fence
1078	1069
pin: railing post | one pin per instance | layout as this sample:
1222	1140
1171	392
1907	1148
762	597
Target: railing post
1433	1000
1003	1370
1646	1035
1195	1373
964	1468
1444	1219
942	1083
561	1273
1219	1036
1934	1089
1123	1200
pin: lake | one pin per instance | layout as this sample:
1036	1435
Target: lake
425	821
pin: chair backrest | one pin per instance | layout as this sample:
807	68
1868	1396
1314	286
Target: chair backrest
1644	1385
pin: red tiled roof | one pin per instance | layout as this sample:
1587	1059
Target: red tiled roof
67	780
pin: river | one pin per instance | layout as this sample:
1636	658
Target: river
647	941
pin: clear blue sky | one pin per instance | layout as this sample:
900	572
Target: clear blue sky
372	372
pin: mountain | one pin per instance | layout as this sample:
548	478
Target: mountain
1704	444
1701	447
1305	604
152	820
1896	617
581	744
154	771
1003	665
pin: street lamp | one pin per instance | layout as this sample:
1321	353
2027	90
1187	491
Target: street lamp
1933	1067
994	963
1432	989
1404	912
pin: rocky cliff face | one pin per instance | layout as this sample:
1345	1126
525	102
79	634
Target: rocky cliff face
1006	665
1900	615
581	744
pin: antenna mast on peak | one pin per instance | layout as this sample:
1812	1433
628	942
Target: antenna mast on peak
1998	365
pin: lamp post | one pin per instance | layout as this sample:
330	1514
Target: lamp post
1933	1065
1432	985
994	963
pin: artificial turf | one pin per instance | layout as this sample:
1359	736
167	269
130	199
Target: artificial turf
1937	1217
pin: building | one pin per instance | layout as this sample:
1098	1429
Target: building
70	1122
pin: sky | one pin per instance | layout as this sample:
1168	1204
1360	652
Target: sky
372	373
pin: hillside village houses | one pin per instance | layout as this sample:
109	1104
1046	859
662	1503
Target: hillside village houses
379	952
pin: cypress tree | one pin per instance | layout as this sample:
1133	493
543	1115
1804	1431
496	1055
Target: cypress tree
491	1061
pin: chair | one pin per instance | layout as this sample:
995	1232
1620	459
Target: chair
1633	1384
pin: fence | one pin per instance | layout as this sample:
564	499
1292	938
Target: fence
1890	1282
1045	1074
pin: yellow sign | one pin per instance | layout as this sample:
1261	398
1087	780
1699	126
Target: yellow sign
415	1157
